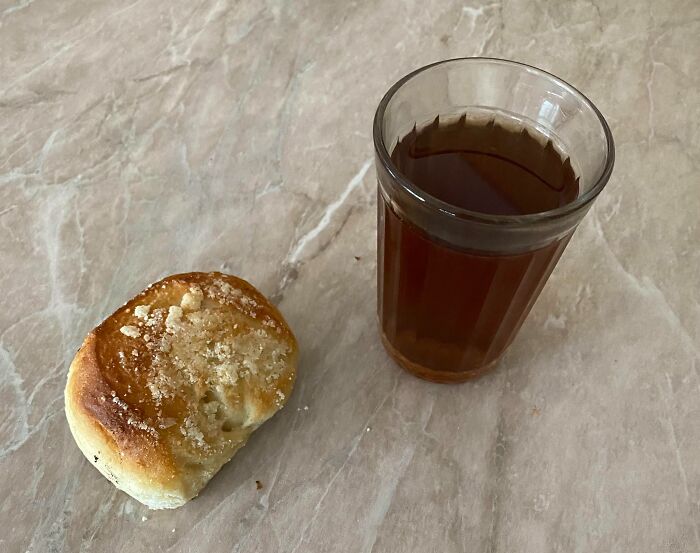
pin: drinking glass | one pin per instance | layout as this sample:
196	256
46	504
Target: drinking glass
454	285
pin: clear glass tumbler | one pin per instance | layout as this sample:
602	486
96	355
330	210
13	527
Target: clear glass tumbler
454	285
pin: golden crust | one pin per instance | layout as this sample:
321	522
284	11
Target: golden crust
170	386
119	450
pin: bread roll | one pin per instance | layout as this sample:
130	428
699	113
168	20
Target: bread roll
170	386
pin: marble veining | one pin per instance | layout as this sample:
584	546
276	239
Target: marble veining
145	138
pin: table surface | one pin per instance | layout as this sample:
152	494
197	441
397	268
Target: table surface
149	138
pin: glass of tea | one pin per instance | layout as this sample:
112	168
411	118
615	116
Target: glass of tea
485	168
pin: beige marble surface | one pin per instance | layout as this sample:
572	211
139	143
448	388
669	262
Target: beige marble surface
144	138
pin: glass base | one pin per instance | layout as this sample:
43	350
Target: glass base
441	377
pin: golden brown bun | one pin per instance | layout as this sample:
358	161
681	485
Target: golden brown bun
170	386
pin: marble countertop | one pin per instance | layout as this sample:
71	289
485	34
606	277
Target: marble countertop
146	138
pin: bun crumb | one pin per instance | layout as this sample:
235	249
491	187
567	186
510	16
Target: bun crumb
192	300
130	331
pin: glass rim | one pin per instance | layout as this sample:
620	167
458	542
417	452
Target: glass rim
461	213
